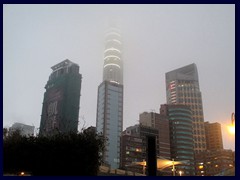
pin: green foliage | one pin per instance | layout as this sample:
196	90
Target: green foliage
61	155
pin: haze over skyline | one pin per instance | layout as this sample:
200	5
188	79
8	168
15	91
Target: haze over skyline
156	38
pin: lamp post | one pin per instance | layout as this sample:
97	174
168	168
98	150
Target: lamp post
173	167
233	118
144	166
231	128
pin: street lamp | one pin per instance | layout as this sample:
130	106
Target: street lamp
231	128
180	173
173	167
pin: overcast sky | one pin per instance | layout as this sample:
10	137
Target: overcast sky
156	39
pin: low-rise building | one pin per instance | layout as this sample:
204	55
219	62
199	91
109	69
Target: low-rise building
25	130
213	162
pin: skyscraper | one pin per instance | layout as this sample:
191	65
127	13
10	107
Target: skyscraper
60	108
182	87
110	98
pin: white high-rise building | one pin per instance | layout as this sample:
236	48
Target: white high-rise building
110	98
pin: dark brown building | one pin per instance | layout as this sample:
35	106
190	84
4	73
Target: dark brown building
131	151
133	147
161	123
213	136
213	162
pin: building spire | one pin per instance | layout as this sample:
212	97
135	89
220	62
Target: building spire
113	66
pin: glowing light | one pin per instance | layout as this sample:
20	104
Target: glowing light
114	40
112	49
180	173
231	129
138	150
111	64
112	57
114	82
114	33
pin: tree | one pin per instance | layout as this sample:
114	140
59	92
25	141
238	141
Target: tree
5	132
62	154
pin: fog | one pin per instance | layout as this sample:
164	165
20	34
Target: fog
156	39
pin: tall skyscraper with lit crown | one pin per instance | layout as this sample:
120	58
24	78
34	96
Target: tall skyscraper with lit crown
110	98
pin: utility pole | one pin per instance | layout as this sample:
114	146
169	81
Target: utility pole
173	167
233	118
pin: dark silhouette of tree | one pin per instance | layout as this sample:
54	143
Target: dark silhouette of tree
61	154
5	132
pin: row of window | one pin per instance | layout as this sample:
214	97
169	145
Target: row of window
179	109
184	142
182	123
198	125
188	153
199	132
180	118
199	138
182	133
190	147
199	145
182	137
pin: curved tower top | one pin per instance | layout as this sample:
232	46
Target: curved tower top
113	66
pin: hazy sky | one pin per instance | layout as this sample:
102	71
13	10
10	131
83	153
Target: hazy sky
157	38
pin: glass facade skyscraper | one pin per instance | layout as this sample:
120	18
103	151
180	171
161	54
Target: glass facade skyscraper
181	136
182	87
110	99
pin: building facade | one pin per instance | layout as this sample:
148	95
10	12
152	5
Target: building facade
181	136
213	136
182	87
161	123
25	130
110	99
134	147
61	100
214	162
131	151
